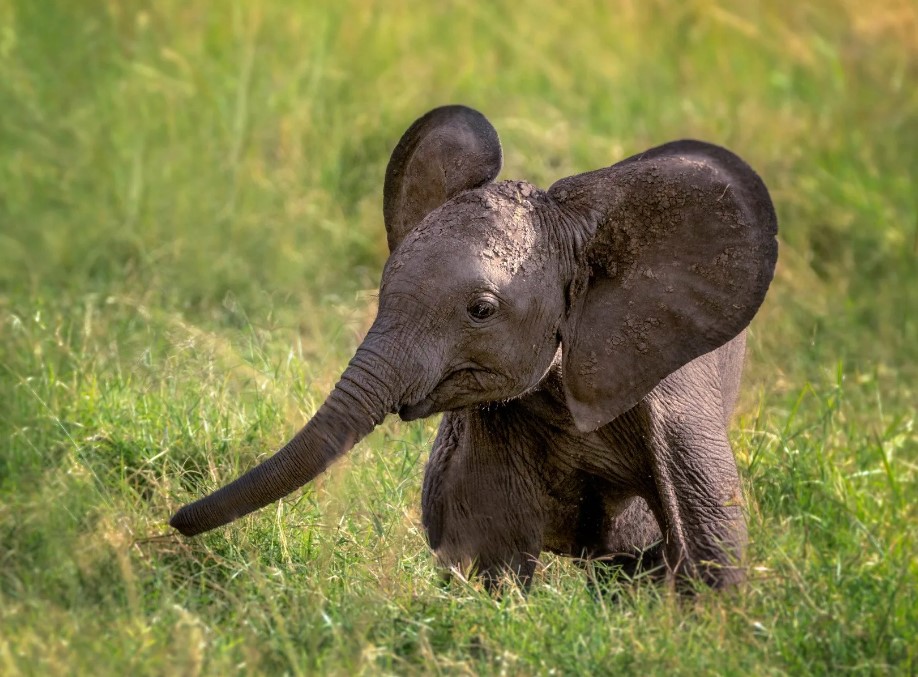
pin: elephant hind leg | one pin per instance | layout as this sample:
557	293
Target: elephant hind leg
608	533
605	574
631	529
632	545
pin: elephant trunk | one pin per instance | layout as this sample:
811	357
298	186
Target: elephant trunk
368	389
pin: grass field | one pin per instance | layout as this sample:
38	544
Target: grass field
190	239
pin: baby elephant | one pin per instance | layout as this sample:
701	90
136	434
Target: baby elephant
584	342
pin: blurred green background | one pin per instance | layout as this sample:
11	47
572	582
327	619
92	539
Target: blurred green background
190	240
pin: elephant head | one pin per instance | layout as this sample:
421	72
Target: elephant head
622	274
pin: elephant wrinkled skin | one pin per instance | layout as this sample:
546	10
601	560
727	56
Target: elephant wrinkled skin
586	343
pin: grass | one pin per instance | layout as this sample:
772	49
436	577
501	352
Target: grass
190	233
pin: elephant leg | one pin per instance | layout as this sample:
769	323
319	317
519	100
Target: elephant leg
698	499
602	525
588	518
481	503
633	542
617	537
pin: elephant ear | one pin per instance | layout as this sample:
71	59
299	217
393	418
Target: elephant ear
682	252
449	150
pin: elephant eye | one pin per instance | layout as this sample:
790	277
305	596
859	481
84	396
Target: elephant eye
482	308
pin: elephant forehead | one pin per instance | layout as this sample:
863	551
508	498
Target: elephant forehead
493	229
456	266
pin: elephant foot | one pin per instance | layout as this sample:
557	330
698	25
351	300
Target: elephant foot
495	574
606	573
692	578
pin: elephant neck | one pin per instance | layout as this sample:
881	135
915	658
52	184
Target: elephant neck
547	401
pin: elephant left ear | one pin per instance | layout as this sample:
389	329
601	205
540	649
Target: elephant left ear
682	252
447	151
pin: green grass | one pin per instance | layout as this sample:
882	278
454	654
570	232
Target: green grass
190	233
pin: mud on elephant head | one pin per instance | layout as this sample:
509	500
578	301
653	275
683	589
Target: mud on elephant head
606	314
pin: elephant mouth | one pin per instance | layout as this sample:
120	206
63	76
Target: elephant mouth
422	409
461	388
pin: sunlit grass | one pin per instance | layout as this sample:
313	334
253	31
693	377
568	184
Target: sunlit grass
190	233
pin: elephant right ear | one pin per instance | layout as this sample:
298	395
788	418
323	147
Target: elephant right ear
682	252
448	151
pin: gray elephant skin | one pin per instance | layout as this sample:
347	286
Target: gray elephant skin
585	343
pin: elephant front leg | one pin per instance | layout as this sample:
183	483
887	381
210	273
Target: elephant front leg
698	501
480	507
